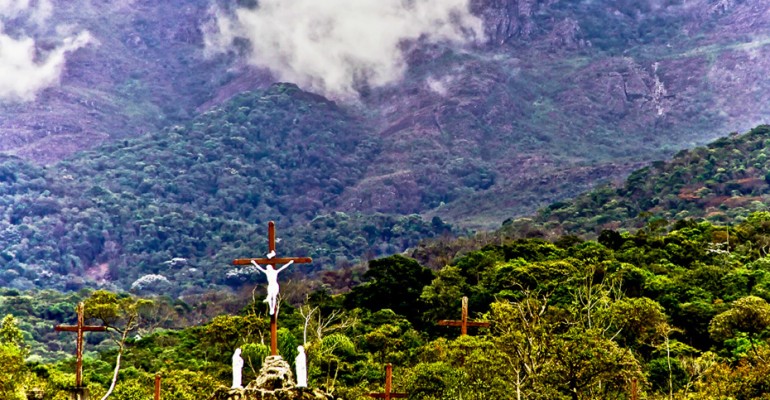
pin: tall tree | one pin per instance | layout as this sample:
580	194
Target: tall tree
122	315
394	282
12	353
750	315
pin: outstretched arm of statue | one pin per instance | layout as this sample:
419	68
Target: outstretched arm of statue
264	271
286	266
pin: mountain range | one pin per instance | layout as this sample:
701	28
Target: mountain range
165	136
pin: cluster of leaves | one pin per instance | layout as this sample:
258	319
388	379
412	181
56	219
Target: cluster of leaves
683	313
184	202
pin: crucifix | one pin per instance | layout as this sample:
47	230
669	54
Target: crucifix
80	328
272	279
463	323
388	385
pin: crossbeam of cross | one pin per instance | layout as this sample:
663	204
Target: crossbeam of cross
271	259
463	323
80	328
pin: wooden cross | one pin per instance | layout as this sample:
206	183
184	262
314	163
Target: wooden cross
463	323
388	384
80	328
272	260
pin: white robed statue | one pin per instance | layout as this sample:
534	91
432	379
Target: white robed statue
272	283
237	369
301	364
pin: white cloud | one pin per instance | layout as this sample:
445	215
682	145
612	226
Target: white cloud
330	45
43	11
22	76
12	8
439	86
24	71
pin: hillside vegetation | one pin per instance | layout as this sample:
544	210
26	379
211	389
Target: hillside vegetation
183	203
721	182
473	134
679	305
683	314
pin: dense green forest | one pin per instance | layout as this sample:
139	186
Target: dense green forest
683	310
181	204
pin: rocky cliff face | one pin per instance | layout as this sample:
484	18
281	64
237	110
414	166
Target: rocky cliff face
506	20
606	84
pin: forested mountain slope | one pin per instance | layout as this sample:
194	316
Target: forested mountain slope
721	182
183	203
557	95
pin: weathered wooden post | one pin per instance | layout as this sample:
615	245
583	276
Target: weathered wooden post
80	392
463	323
388	386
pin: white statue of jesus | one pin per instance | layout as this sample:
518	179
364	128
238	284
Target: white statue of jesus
301	364
237	369
272	283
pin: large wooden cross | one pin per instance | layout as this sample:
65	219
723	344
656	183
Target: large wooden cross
463	323
80	328
388	386
272	260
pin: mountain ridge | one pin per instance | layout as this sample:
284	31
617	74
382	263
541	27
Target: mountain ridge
556	81
471	136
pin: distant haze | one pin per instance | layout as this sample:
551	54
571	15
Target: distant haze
331	46
24	71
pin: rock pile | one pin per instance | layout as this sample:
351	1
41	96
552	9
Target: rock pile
275	382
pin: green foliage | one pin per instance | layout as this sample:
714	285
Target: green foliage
287	345
435	381
163	213
394	283
254	354
184	384
721	182
663	376
13	371
749	315
683	313
10	333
